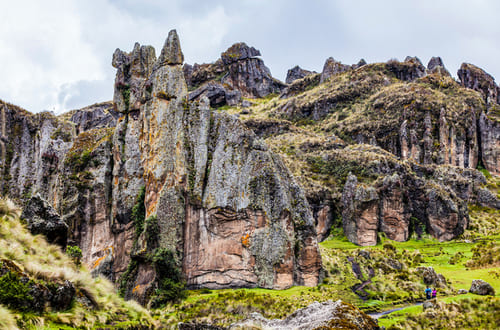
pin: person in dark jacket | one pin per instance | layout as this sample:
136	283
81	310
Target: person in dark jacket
428	293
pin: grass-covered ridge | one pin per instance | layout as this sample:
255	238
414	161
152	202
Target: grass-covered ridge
95	303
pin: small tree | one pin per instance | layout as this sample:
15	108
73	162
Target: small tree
75	253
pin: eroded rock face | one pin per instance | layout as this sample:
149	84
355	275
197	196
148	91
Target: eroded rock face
99	115
209	183
360	213
477	79
296	73
490	143
409	70
42	218
331	68
395	196
238	73
328	315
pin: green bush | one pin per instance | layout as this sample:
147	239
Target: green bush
75	253
14	293
170	284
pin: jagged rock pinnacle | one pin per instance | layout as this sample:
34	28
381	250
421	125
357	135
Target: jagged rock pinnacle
171	53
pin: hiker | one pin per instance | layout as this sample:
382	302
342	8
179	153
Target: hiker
434	293
428	292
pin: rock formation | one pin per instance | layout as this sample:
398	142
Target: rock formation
238	73
331	68
296	73
43	219
218	205
482	288
477	79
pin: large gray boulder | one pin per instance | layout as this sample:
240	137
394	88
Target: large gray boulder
482	288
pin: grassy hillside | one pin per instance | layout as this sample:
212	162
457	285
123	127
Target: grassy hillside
32	271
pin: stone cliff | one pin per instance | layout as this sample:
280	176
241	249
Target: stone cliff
217	203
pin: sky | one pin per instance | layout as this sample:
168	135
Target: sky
56	54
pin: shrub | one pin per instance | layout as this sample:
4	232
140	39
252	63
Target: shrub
75	253
14	293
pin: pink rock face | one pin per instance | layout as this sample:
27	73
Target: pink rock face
216	250
323	222
219	251
367	226
395	218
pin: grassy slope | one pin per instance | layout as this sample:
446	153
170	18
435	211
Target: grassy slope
45	262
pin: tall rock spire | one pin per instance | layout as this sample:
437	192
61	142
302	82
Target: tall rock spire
171	53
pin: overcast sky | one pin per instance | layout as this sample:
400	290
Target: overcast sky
56	54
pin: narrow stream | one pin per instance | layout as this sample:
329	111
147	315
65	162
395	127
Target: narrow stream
377	315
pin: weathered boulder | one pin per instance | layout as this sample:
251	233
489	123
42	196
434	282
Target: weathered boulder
431	278
296	73
325	315
430	304
331	68
477	79
482	288
462	291
42	218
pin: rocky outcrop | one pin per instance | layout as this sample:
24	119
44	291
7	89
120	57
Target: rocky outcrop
296	73
238	73
477	79
409	70
482	288
100	115
359	215
43	219
301	85
198	74
325	315
217	95
394	197
331	68
431	278
33	147
208	182
132	72
217	203
247	73
489	130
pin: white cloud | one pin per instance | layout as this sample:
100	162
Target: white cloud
56	54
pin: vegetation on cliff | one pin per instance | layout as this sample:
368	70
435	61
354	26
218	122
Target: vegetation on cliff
41	287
